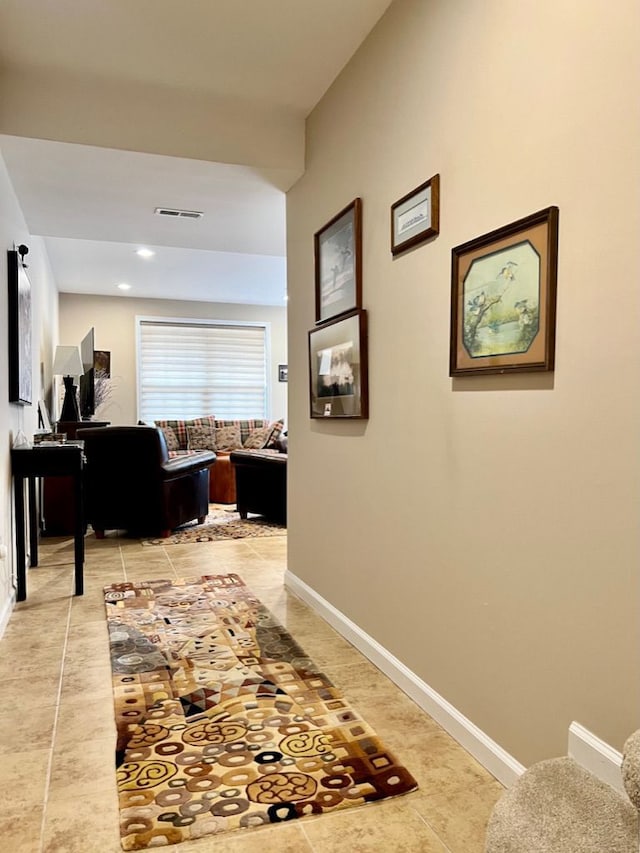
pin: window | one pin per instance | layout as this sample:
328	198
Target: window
191	368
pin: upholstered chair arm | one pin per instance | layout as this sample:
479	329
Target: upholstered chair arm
177	466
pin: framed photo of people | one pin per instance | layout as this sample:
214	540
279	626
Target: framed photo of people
338	368
338	263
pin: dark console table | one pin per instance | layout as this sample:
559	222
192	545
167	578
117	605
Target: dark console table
261	483
58	516
31	464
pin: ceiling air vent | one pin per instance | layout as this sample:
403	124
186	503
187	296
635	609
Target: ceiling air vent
178	214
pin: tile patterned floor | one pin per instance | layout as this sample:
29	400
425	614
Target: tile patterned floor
57	778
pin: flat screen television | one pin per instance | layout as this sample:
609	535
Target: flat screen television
87	380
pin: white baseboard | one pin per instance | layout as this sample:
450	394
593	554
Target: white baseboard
596	756
490	754
6	612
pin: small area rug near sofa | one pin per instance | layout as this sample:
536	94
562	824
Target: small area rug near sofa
222	522
223	721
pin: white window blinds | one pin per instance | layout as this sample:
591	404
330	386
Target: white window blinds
188	369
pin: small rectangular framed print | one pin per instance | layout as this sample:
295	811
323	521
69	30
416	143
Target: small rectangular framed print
416	216
503	298
338	368
44	421
338	263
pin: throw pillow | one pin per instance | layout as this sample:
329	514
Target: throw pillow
207	420
276	431
246	426
179	429
171	438
228	439
258	438
201	438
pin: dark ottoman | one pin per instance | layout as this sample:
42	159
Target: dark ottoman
261	483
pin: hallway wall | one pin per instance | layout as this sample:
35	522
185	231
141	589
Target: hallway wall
483	530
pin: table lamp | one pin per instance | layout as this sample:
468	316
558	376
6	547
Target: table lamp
68	364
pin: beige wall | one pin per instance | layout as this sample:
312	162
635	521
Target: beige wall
133	116
484	530
13	417
113	319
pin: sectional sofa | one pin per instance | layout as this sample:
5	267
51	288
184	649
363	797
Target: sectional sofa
223	437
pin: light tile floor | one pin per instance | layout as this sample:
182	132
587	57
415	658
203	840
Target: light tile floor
57	776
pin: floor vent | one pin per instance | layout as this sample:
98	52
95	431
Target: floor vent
178	214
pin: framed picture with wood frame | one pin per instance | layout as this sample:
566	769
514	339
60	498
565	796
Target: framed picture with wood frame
102	363
416	216
503	298
19	329
338	368
338	263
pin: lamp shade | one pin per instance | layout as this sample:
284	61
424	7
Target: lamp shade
67	362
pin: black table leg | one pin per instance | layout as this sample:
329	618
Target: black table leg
21	551
33	522
79	535
32	464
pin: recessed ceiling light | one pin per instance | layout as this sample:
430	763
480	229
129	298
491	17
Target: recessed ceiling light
124	286
145	253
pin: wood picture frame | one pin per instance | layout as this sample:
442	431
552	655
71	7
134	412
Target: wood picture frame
19	322
102	363
338	263
338	368
503	298
416	216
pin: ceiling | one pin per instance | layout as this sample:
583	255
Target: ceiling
94	206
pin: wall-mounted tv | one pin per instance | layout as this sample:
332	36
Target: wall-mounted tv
87	380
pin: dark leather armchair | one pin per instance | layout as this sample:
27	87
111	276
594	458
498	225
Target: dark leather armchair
132	484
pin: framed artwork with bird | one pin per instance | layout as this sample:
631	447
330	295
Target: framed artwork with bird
503	298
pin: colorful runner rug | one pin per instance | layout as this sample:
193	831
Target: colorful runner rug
223	722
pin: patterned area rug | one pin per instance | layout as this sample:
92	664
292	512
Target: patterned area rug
223	722
221	523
